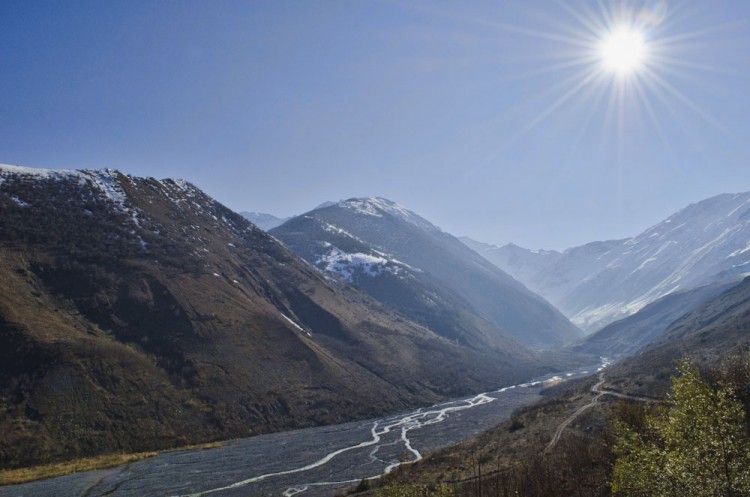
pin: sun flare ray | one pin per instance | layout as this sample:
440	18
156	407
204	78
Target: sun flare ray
620	61
565	97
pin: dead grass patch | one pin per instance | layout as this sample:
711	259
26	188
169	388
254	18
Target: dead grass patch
32	473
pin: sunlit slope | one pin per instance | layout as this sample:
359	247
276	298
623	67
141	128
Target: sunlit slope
600	282
714	331
137	313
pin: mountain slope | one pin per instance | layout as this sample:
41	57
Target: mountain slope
264	221
601	282
715	330
626	336
411	265
139	314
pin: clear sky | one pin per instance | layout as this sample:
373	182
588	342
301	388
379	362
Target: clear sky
492	119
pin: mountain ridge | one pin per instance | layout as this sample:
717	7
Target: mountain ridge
412	265
600	282
139	314
714	331
263	220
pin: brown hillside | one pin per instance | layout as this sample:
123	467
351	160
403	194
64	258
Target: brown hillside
139	314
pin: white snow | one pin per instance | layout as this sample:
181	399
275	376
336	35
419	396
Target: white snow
37	172
378	206
19	202
103	180
362	207
291	321
345	265
333	229
739	206
740	251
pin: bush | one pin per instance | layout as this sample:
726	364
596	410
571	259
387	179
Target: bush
697	446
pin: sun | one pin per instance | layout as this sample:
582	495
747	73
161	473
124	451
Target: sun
623	50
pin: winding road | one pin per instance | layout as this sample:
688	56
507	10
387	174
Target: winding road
597	390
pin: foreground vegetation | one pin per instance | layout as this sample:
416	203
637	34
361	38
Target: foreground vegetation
699	445
696	442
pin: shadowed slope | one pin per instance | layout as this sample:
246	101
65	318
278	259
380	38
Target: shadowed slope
414	267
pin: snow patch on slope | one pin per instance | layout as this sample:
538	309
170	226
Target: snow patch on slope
347	265
104	180
293	323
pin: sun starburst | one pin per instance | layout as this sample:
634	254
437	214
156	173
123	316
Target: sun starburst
622	55
623	50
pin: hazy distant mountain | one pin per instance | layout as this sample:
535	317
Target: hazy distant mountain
601	282
406	262
267	222
717	329
262	220
626	336
137	314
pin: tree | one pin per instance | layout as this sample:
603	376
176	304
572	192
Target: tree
696	446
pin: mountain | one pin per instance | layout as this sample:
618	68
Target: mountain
716	330
523	264
598	283
264	221
415	268
138	314
624	337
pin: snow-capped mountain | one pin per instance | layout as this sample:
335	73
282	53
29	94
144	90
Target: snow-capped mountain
263	220
138	314
601	282
406	262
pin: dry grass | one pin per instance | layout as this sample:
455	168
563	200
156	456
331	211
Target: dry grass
25	475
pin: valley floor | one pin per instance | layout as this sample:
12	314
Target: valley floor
314	461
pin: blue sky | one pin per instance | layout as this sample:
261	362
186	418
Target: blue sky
477	114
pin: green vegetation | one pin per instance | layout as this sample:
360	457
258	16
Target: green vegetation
695	443
415	491
696	446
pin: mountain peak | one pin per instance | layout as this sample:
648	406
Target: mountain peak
409	264
381	207
599	282
373	206
166	294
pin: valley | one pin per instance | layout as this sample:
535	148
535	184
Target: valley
313	461
375	249
142	315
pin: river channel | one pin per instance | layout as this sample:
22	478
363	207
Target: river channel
308	463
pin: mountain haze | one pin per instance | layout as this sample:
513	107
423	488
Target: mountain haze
411	265
262	220
600	282
715	330
624	337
